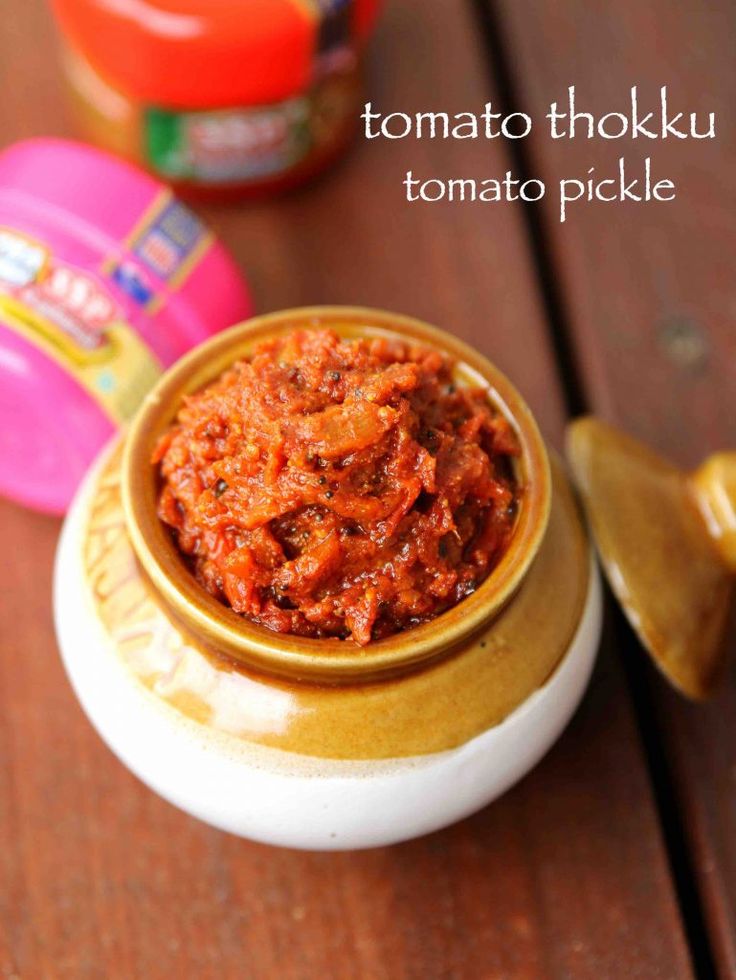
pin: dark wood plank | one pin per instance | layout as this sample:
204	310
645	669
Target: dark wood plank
566	876
650	297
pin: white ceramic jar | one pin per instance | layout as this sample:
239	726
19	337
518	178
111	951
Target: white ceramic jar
313	743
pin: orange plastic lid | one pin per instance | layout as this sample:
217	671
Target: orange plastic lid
212	53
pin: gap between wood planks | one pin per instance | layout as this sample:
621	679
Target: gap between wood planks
637	673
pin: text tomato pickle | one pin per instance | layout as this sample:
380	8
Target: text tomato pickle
634	181
335	488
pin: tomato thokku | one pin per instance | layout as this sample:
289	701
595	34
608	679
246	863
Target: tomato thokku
339	488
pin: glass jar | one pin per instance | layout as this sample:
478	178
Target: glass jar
215	96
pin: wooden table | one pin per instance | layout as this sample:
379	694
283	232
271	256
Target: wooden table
616	857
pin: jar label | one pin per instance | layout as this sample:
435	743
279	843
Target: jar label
237	145
167	242
225	145
70	315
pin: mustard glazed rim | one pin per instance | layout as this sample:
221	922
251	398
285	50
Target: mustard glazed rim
327	660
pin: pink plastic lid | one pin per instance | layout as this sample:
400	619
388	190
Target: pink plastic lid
105	280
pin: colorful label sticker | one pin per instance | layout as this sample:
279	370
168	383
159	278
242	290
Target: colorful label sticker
170	240
127	276
224	145
21	259
70	315
167	243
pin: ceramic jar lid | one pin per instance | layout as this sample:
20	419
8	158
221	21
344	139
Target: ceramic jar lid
667	542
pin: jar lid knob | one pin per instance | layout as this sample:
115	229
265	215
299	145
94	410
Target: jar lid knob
714	486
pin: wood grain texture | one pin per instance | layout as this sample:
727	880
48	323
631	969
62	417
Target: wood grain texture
650	300
564	877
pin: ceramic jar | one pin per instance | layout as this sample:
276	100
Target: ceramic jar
318	743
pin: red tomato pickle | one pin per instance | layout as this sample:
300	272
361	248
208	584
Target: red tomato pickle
339	488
